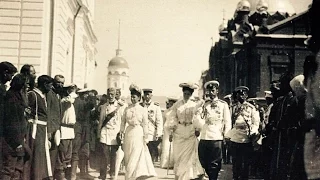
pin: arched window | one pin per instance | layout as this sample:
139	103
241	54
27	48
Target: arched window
110	73
115	84
124	73
117	73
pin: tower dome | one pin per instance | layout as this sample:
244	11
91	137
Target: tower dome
118	62
118	71
281	6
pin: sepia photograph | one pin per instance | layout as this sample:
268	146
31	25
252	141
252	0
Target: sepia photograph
159	89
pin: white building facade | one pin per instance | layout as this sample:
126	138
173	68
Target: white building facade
55	36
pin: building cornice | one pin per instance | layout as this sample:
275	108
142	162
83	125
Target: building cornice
88	24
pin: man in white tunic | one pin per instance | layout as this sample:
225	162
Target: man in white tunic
214	121
109	127
246	124
155	123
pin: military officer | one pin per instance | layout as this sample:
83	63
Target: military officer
109	127
213	119
155	123
246	124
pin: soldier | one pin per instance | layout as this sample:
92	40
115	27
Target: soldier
63	167
214	121
246	124
109	127
80	150
155	123
54	117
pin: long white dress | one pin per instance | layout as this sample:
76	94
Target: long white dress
137	158
165	159
185	143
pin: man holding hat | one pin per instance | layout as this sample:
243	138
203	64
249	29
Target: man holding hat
81	150
109	127
214	122
155	123
246	124
63	167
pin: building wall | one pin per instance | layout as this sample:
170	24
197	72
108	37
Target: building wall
22	31
28	26
63	33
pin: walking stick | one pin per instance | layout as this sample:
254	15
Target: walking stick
169	159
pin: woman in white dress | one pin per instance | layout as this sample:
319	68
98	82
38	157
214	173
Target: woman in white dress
185	143
137	158
166	159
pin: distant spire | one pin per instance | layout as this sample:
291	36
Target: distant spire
223	15
118	50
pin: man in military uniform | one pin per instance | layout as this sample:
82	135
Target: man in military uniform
81	150
109	127
214	121
155	123
246	124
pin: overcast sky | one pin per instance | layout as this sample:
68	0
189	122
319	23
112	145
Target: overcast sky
165	42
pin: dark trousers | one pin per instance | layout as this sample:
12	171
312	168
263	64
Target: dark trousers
108	157
241	154
226	154
153	149
64	154
80	147
53	157
12	163
210	156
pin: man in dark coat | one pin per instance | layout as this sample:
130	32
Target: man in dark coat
54	117
7	70
15	128
39	166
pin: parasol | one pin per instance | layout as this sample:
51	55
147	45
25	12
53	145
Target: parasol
119	158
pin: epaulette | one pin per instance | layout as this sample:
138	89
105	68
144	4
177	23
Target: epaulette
222	101
250	105
156	103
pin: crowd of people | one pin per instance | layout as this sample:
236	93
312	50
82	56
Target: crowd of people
49	129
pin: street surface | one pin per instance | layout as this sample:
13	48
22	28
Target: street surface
225	173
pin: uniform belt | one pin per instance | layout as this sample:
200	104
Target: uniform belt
67	125
37	122
185	123
241	128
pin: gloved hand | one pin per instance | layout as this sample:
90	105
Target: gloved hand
197	133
